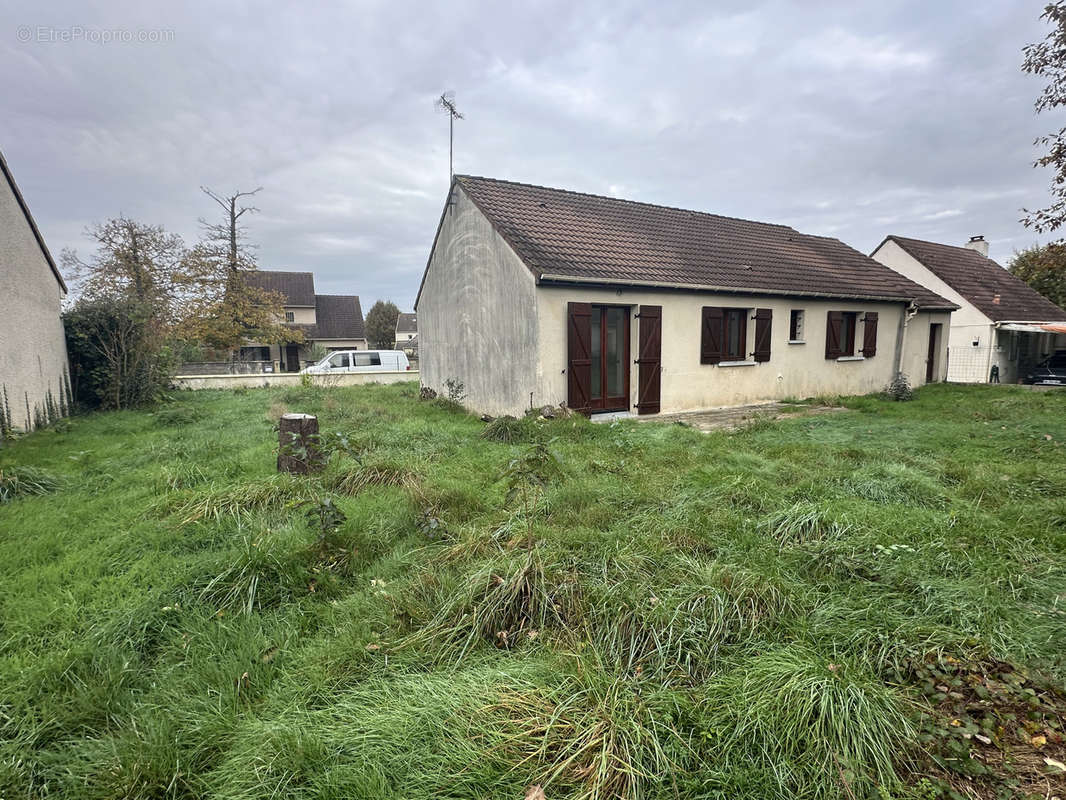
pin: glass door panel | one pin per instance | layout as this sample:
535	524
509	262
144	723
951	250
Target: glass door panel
615	364
596	382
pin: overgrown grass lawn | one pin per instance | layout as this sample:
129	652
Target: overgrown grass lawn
851	605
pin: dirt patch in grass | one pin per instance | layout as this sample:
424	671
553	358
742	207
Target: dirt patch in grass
990	729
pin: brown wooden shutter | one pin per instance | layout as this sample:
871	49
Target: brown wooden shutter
579	359
834	321
869	335
763	320
711	335
649	359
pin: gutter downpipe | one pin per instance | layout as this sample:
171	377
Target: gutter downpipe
901	334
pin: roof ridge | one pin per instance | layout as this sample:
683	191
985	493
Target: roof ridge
284	271
897	237
353	296
626	200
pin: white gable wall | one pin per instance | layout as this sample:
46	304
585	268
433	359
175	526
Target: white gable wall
477	314
967	363
33	351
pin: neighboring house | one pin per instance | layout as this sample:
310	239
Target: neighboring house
1001	321
535	296
333	321
407	333
34	381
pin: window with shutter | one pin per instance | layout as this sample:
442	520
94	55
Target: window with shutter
763	320
833	324
869	334
711	335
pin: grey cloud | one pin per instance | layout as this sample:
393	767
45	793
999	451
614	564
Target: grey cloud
855	120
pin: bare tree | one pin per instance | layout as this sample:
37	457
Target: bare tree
226	309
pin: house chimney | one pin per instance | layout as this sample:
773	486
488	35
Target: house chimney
978	244
995	299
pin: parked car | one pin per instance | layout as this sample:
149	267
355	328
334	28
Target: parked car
341	361
1050	371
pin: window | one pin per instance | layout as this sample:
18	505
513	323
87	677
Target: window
254	354
290	316
840	328
366	359
734	334
847	333
339	361
795	325
724	335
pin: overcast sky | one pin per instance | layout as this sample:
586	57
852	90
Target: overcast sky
848	119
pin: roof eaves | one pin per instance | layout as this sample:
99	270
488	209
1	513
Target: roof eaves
551	279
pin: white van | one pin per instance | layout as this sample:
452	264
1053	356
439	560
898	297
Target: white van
341	361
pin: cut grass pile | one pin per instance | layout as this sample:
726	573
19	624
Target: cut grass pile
856	605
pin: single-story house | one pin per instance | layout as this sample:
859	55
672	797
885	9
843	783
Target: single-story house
333	321
34	378
407	332
534	296
1002	324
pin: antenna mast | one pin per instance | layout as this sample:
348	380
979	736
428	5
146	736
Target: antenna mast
446	103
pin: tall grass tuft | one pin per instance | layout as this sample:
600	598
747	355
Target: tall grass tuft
21	481
814	726
594	736
508	430
352	479
264	569
803	522
508	602
215	503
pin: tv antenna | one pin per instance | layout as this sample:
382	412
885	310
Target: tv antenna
446	103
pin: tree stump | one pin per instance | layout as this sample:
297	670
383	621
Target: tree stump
298	444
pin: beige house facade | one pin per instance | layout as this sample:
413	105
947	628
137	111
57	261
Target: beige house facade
535	296
1002	328
34	377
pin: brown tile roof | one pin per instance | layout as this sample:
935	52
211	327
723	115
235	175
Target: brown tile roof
298	288
979	279
338	317
407	323
581	236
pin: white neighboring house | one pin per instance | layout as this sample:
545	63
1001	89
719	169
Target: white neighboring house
407	333
1001	321
331	320
34	381
535	296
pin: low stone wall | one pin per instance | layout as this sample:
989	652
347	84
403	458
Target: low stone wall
289	379
227	367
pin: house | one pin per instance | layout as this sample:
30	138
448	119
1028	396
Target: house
34	379
1001	323
534	296
407	333
406	329
333	321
